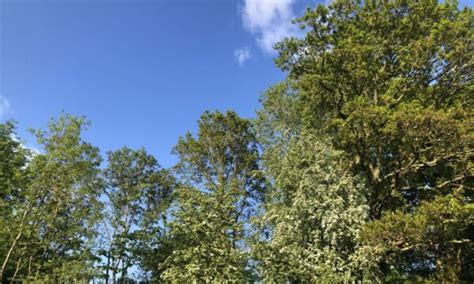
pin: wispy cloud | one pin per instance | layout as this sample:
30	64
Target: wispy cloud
241	55
4	106
269	21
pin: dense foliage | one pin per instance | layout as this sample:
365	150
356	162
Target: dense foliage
358	167
390	84
314	216
221	185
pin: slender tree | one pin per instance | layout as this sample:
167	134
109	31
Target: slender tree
138	193
57	209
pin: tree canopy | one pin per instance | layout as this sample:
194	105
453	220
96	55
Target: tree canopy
357	167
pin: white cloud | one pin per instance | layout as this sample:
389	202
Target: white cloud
241	55
269	21
33	150
4	106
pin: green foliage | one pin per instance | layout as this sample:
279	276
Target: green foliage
53	215
366	174
13	176
312	217
12	162
390	84
139	192
204	239
219	171
437	236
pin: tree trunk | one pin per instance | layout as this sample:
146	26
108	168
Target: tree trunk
7	257
107	268
13	245
17	268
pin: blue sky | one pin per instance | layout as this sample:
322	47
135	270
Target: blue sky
142	71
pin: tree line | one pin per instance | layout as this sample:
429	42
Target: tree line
357	167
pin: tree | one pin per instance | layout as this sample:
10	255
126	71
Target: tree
315	211
55	212
139	192
221	182
390	82
13	177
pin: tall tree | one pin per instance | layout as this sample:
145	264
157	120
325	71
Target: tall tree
138	193
390	82
221	184
56	211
